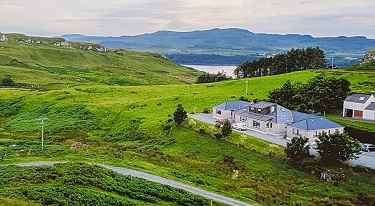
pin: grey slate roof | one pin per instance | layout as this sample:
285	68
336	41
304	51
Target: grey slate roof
262	105
371	106
245	112
232	105
358	98
316	123
282	114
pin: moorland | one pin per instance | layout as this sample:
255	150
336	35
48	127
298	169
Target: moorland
117	107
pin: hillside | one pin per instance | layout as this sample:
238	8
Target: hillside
53	62
367	63
232	46
131	126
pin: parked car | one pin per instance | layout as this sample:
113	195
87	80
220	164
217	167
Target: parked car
368	147
221	121
239	126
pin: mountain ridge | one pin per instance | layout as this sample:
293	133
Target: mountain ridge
227	44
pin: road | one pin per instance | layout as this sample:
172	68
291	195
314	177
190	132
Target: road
157	179
365	159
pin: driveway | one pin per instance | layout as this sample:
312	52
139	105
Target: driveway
157	179
365	159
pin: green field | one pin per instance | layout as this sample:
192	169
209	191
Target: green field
94	120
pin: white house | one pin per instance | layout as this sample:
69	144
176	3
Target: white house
359	106
312	127
272	118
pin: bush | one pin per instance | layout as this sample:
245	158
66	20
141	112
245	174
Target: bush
180	114
337	147
206	110
297	149
227	129
7	81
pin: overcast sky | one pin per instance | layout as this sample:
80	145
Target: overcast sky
130	17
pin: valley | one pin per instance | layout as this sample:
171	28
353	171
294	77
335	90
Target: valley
112	109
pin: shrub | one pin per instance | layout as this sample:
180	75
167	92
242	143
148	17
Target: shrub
337	147
227	129
297	149
206	110
179	115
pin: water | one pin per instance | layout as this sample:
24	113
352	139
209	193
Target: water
214	69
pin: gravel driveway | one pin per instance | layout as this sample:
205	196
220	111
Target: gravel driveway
365	159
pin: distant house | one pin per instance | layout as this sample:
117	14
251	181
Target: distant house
272	118
359	106
225	110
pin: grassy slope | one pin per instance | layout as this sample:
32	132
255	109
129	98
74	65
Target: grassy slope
181	154
88	111
83	184
69	66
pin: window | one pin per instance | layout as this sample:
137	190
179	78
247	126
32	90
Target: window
269	124
256	124
243	119
296	132
315	134
218	111
361	98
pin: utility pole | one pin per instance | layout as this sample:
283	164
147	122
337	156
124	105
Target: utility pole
246	87
42	123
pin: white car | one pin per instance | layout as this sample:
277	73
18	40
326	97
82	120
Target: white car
368	147
239	126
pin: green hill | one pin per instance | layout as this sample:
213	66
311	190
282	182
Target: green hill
51	63
368	62
93	119
130	126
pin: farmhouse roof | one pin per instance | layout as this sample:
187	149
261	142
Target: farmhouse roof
245	112
358	98
371	106
262	105
315	123
232	105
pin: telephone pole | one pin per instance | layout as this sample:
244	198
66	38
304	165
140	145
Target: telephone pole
42	123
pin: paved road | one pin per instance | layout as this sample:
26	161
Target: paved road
157	179
365	159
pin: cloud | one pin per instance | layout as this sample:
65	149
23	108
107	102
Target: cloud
129	17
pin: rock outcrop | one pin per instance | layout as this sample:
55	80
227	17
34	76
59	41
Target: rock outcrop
3	37
369	57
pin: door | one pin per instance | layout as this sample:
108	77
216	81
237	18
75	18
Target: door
358	114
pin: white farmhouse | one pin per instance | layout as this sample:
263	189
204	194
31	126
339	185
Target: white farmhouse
275	119
359	106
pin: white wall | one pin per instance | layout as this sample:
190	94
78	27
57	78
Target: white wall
311	134
369	114
225	114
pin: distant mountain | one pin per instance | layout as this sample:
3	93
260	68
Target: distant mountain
232	46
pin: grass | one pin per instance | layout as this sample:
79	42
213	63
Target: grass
94	119
54	67
83	184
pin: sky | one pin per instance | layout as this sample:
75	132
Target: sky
131	17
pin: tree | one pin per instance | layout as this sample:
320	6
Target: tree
227	128
297	149
7	81
180	114
337	147
319	94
